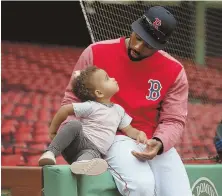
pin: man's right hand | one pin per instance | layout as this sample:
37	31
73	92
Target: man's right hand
152	148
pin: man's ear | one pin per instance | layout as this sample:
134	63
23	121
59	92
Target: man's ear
99	94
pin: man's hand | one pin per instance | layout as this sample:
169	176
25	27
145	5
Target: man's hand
141	138
152	148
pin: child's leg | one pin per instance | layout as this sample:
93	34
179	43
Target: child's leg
80	147
70	133
89	162
88	154
64	137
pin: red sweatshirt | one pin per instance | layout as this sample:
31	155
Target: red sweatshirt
153	91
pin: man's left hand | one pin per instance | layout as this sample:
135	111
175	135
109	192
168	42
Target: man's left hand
152	148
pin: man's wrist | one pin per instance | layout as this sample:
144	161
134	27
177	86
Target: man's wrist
161	145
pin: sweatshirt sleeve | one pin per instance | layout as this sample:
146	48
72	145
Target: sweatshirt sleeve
173	113
85	60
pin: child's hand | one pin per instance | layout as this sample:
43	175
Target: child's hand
52	135
141	138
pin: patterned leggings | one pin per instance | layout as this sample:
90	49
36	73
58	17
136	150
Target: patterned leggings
71	142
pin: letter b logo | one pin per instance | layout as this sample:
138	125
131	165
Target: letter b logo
154	90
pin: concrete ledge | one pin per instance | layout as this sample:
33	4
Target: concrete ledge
22	181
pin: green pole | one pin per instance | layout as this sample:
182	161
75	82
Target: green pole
200	33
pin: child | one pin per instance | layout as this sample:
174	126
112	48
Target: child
83	142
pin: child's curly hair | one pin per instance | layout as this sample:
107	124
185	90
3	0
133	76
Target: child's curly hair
81	85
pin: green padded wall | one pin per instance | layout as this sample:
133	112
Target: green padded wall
206	180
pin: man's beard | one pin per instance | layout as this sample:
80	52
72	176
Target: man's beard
139	58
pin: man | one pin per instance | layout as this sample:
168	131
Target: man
154	92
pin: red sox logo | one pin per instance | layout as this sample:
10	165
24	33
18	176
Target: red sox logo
154	90
157	23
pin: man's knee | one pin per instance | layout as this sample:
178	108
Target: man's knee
145	187
139	187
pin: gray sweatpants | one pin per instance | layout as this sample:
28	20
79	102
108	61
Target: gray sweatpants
71	142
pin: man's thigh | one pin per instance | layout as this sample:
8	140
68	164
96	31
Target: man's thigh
131	175
170	175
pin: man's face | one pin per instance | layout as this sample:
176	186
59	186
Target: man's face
138	49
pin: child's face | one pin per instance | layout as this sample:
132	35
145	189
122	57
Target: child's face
105	86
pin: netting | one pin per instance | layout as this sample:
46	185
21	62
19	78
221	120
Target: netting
196	43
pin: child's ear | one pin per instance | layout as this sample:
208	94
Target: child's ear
99	94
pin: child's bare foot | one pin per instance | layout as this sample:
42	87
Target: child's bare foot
89	167
47	158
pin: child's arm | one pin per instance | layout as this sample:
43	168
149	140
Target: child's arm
60	116
80	110
125	127
134	133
